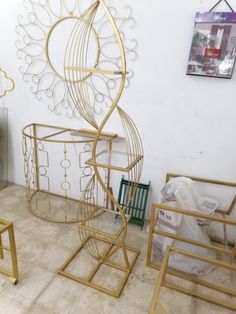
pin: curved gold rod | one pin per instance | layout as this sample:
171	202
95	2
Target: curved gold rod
114	105
7	90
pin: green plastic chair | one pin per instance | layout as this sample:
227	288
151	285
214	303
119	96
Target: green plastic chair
137	207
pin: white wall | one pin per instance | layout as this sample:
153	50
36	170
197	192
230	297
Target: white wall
187	123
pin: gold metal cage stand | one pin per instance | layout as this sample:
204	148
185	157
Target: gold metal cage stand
221	246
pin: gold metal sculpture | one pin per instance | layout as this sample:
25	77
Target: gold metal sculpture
101	237
7	227
55	169
218	245
42	68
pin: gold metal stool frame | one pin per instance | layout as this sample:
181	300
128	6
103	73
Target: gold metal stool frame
162	281
6	226
224	250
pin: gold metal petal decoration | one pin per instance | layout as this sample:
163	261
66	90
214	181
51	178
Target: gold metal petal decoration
101	238
41	52
5	91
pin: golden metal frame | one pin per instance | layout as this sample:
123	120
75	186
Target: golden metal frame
153	230
229	249
104	261
76	71
164	270
48	39
13	275
222	212
45	24
136	159
30	134
210	181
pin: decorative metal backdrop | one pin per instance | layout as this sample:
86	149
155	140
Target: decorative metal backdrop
35	30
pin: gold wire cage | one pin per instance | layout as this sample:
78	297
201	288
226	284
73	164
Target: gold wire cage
101	239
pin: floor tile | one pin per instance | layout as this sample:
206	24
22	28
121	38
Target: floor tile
42	248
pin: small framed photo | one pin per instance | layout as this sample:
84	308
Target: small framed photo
213	48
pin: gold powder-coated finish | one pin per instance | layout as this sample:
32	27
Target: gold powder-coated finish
93	216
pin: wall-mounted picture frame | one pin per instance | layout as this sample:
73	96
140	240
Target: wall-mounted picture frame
213	48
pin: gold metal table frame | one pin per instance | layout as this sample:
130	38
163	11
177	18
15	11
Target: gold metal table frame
13	275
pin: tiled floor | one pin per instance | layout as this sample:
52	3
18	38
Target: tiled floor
42	248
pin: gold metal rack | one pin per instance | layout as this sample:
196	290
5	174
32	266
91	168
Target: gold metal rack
222	246
7	227
99	244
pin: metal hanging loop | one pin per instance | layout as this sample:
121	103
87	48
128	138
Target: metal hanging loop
226	2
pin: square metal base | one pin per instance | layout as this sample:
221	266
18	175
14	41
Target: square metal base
104	262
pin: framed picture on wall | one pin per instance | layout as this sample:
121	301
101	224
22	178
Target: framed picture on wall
213	48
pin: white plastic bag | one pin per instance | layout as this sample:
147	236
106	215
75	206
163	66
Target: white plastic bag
180	193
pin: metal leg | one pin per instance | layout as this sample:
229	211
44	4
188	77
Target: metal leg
1	249
14	274
13	253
